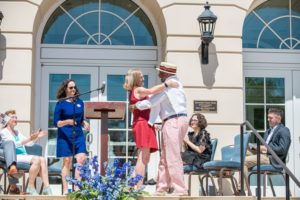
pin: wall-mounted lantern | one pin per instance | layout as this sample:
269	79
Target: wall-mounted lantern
207	21
1	17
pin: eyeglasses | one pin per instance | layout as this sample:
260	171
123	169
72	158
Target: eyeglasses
194	120
13	117
72	87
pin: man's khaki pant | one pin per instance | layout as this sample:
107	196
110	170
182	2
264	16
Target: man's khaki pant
251	161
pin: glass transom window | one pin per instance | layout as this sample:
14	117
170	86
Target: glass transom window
95	22
274	24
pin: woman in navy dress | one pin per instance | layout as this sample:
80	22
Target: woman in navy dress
63	120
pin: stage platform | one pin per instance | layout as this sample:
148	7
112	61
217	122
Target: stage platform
41	197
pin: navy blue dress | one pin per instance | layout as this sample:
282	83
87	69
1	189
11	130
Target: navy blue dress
64	110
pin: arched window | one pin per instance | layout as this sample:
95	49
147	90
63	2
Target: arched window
274	24
94	22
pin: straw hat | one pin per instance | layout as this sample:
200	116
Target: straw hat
167	68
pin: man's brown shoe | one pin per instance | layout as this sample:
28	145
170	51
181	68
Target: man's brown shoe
14	189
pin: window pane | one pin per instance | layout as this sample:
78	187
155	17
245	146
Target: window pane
51	114
251	30
52	135
254	90
275	90
115	85
273	9
117	143
83	83
77	22
55	80
273	24
255	115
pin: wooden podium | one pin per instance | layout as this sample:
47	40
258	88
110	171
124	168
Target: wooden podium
104	111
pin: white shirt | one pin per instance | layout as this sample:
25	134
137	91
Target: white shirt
168	102
271	134
7	135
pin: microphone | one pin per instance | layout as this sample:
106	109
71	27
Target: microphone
102	88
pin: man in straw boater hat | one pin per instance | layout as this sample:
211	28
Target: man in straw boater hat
170	105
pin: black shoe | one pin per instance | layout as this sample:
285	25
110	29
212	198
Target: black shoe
150	182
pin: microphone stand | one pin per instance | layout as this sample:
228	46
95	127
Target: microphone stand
74	124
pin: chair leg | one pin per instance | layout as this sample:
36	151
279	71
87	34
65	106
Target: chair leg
190	184
213	182
265	184
5	183
271	184
204	193
220	182
42	187
234	185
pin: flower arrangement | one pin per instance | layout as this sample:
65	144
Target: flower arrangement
115	185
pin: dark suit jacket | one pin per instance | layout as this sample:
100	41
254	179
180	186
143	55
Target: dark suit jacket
279	143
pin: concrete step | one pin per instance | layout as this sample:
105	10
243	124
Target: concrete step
43	197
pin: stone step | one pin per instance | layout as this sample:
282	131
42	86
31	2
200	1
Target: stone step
43	197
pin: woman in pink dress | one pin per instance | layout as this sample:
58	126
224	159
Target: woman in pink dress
143	133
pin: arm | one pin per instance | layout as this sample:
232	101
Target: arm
151	102
57	115
280	146
30	140
198	149
142	92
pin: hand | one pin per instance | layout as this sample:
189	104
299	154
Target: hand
86	125
34	135
42	134
157	127
263	149
172	83
132	107
202	148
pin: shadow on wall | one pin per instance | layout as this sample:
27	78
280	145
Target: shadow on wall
2	53
209	70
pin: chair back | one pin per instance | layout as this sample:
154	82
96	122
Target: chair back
227	152
214	143
236	154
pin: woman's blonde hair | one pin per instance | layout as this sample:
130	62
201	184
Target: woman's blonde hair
132	79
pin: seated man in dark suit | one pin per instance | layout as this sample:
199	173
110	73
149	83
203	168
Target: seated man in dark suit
277	137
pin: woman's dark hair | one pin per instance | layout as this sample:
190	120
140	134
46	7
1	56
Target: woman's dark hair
61	92
202	123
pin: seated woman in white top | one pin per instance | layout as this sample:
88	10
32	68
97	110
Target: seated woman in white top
38	163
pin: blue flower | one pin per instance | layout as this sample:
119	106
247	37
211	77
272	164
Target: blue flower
116	184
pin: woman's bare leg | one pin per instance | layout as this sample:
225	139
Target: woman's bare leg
34	170
65	171
142	161
44	172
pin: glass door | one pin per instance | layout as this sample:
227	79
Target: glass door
265	89
52	77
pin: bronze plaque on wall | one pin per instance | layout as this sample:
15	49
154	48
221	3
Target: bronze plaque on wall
205	106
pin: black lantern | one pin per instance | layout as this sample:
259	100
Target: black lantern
207	21
1	17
